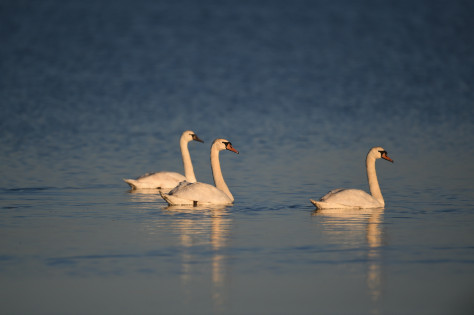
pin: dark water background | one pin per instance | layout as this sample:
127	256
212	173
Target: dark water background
94	91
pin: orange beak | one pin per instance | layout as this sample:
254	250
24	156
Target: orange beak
385	157
231	148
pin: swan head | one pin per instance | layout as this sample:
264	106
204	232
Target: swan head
379	153
189	136
223	144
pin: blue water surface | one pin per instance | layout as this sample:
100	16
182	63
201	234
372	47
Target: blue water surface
95	91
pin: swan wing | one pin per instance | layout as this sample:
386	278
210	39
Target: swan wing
332	192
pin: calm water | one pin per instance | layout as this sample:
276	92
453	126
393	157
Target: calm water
95	91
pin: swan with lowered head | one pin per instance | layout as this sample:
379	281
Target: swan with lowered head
195	194
164	180
355	198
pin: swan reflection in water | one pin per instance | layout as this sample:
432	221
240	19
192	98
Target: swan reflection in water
205	226
346	224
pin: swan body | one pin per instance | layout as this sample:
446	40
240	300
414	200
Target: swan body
159	180
355	198
346	198
195	194
165	180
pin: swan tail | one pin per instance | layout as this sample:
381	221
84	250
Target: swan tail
175	201
141	184
131	182
317	204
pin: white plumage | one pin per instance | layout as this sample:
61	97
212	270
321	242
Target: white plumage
356	198
167	180
200	193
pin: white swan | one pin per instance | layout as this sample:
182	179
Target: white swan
164	180
355	198
200	193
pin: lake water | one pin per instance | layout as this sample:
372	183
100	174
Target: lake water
95	91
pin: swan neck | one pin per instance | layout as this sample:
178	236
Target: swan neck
373	181
217	173
187	163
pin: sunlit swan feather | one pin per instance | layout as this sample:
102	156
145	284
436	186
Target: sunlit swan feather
187	193
355	198
164	180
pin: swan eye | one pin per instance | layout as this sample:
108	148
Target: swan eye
227	145
383	152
